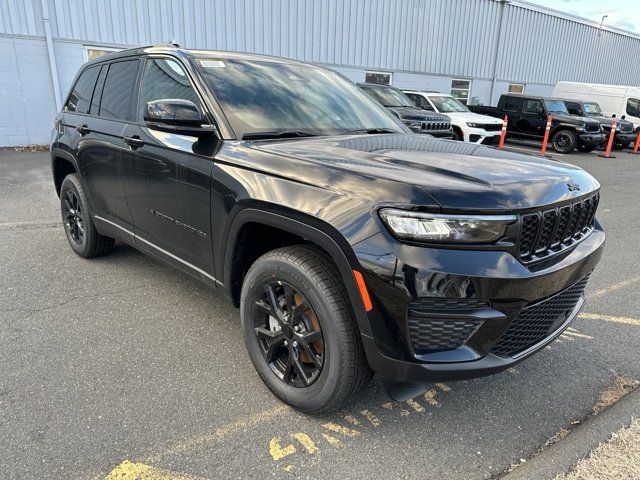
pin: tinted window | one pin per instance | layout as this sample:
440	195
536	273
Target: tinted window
117	93
574	108
80	98
380	78
448	104
164	78
420	101
633	107
97	92
388	96
532	106
511	104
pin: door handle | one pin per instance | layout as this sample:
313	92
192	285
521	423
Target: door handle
83	129
134	141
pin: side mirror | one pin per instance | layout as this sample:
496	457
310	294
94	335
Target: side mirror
177	116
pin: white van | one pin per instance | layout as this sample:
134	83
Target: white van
613	99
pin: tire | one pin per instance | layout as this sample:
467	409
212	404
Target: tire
78	224
564	141
586	148
310	279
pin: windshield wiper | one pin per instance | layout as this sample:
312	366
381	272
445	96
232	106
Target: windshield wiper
278	134
373	131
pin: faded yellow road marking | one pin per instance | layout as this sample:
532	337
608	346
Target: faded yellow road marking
352	420
614	287
288	468
430	397
573	333
219	433
443	387
611	318
566	337
334	427
375	421
306	442
403	411
415	405
512	370
276	450
139	471
331	440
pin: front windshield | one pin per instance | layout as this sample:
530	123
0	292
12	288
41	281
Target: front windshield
591	109
389	97
447	104
269	96
556	106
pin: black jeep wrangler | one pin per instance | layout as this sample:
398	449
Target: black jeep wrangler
527	117
624	135
400	105
350	244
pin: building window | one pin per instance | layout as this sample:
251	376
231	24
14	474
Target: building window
460	89
516	88
380	78
91	53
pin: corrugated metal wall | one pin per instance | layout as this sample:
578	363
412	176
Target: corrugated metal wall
449	37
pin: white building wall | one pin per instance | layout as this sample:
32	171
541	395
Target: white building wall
424	43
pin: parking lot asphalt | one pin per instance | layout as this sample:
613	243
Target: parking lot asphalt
120	366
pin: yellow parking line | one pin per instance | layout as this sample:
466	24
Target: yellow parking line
613	288
219	433
415	405
573	333
611	318
139	471
306	442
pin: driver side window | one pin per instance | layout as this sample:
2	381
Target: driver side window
164	79
532	106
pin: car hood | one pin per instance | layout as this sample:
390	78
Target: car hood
456	175
414	113
608	121
572	119
473	117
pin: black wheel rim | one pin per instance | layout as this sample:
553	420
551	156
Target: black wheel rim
289	335
73	217
563	141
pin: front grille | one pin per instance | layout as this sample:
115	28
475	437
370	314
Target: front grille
536	322
551	231
436	126
490	127
435	333
592	127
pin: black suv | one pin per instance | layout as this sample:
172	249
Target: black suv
400	105
527	117
350	244
624	135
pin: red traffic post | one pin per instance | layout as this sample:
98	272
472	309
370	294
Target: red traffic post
637	144
607	153
545	140
503	134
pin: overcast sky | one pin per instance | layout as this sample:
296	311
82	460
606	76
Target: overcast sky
622	13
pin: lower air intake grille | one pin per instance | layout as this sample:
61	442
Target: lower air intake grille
437	333
536	322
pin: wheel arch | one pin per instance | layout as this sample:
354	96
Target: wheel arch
62	164
310	230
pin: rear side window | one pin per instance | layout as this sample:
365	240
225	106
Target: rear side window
633	107
117	93
163	79
97	92
80	97
574	108
511	104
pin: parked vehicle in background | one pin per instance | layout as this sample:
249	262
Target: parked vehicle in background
351	245
618	100
528	120
466	125
417	119
624	135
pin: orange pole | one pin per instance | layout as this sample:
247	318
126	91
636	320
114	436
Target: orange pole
637	144
545	140
607	153
503	134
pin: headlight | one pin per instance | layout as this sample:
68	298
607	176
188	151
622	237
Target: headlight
474	125
430	227
580	127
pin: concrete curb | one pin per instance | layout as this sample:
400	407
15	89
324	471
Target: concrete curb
562	456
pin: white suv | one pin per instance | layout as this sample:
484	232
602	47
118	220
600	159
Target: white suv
467	126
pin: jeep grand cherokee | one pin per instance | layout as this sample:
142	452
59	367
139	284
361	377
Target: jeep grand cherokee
350	244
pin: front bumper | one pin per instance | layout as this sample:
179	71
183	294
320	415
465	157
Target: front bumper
494	279
591	138
624	138
481	136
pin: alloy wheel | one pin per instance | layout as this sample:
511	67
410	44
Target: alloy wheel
289	335
73	220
